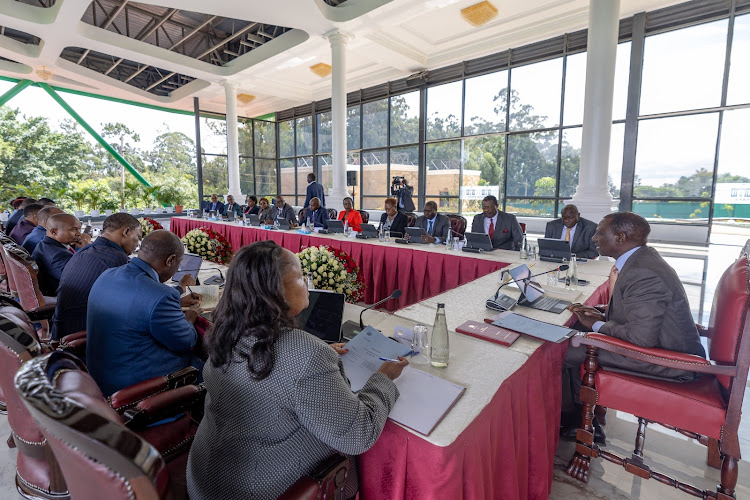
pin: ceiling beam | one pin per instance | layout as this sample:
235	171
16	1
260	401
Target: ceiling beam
106	24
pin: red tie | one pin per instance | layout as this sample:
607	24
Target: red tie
71	250
492	229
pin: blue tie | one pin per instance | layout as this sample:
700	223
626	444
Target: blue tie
429	228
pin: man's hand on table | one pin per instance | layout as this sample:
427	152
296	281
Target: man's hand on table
191	315
586	315
190	300
392	369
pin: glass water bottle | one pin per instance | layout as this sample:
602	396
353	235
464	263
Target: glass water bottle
572	280
524	250
439	346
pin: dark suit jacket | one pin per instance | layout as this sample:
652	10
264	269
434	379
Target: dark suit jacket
441	226
253	211
76	281
404	196
51	256
649	308
14	218
400	221
287	212
21	231
319	217
315	190
32	240
235	208
582	245
507	235
136	329
219	207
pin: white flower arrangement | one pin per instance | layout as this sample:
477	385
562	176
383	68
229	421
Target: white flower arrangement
332	269
208	244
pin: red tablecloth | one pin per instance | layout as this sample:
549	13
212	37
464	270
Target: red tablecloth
419	274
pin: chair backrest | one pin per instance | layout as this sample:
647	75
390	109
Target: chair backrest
458	224
25	272
4	257
729	313
746	249
523	227
96	452
333	214
365	216
35	463
412	219
301	215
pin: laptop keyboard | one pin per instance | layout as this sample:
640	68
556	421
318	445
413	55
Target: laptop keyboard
547	304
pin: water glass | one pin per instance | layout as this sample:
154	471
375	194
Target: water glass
420	344
552	280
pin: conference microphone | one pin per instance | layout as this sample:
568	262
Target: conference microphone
394	295
500	302
563	267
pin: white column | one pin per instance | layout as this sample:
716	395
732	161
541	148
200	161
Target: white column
339	191
592	197
233	149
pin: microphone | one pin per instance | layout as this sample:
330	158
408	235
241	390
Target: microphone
394	295
563	267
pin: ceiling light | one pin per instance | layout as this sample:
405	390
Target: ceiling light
245	98
44	74
321	69
480	13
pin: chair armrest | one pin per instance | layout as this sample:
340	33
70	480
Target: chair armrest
73	337
703	331
42	312
131	396
330	475
654	356
75	343
165	405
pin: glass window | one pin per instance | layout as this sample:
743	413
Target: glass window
287	178
683	69
265	139
671	210
247	178
732	197
532	164
214	135
405	118
245	138
739	70
265	178
304	135
443	174
526	207
375	124
215	175
570	162
486	103
325	167
622	79
535	95
675	156
373	203
405	163
616	144
352	127
483	171
444	110
375	173
352	176
324	133
286	138
304	167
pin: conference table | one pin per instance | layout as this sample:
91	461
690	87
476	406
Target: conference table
499	439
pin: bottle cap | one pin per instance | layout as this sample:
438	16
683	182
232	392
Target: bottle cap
441	306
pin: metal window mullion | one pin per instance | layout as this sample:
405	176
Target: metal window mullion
422	150
198	150
507	136
560	124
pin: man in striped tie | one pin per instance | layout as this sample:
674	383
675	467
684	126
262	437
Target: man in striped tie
576	230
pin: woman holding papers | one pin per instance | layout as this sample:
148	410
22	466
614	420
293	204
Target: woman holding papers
278	402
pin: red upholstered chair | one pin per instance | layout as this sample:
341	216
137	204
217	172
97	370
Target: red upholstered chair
412	219
11	287
707	409
523	227
365	216
458	224
332	214
301	215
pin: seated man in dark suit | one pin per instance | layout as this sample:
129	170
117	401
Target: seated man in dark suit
214	204
503	228
314	190
437	225
574	229
120	236
648	307
27	224
17	214
230	206
56	249
284	211
317	215
136	328
40	231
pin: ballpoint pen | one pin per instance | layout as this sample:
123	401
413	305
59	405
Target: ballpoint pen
389	359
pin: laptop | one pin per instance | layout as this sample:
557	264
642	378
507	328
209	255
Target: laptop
322	317
532	294
335	226
415	234
553	250
284	224
252	219
478	241
369	230
191	264
230	215
212	214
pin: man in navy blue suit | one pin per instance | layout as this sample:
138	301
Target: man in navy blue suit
316	214
17	215
120	236
135	324
40	231
56	249
214	204
314	190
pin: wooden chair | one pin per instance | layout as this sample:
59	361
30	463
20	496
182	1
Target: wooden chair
332	214
412	219
523	227
97	453
10	286
25	271
365	216
458	224
707	409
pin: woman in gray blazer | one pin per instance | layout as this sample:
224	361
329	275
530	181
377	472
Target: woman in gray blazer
266	211
277	402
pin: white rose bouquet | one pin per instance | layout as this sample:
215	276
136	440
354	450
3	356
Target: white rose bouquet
208	244
332	269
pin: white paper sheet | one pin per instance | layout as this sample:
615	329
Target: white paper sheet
210	295
365	349
424	399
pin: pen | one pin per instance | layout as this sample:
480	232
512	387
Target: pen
389	359
191	293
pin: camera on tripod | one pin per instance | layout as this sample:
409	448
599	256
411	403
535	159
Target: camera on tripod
398	180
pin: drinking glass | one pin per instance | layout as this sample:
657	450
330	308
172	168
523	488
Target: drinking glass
420	344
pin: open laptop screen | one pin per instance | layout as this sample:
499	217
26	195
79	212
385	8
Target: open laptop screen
520	276
323	315
190	264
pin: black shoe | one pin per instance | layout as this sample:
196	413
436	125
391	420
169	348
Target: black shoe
568	433
599	436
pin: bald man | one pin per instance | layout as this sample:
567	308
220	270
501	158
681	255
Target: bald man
40	231
136	327
55	250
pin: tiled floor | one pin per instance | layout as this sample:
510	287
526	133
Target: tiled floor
668	452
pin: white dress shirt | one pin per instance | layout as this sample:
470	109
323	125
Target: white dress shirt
487	223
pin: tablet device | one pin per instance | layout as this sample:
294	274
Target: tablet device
191	264
416	234
553	250
284	224
367	230
253	219
322	317
479	241
335	226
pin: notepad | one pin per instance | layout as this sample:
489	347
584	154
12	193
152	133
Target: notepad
488	332
424	399
210	295
532	327
362	359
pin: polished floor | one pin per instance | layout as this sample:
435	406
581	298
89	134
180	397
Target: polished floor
666	451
